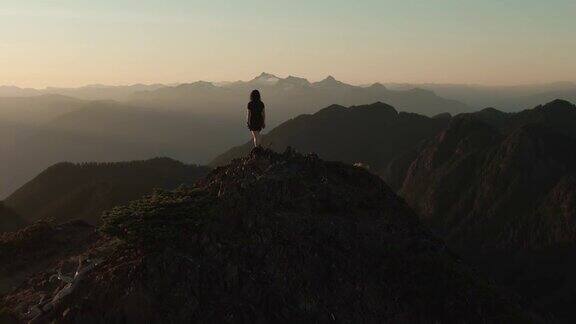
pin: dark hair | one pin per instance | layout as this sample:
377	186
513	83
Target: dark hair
255	95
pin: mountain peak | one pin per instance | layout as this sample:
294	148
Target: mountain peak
329	81
265	78
267	75
294	81
377	85
559	104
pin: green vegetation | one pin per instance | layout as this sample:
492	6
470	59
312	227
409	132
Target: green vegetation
165	219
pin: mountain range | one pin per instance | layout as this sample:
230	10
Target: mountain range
494	187
372	135
108	132
269	238
505	98
501	189
190	122
290	97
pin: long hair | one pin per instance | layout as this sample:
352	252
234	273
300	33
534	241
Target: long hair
255	95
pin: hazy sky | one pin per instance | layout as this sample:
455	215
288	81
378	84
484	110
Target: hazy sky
77	42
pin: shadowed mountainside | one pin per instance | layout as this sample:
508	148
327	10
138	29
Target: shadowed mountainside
369	134
501	188
274	238
68	191
9	220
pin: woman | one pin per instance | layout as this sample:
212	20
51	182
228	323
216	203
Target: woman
256	116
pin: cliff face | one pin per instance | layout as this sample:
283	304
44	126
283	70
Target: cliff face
505	185
501	189
274	238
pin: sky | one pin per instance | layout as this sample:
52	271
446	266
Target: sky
79	42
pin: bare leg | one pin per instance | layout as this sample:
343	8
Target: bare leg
256	138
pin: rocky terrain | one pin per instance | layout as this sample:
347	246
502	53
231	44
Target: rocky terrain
269	238
37	247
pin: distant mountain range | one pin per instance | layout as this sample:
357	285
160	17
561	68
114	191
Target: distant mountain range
505	98
89	92
290	97
102	131
68	191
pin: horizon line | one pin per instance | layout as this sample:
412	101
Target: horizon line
216	82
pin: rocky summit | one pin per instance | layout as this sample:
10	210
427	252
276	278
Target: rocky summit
269	238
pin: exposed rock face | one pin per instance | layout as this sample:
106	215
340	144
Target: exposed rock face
509	185
501	189
278	238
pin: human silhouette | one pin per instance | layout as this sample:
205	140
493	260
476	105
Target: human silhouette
256	119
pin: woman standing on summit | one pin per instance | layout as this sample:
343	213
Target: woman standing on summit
256	116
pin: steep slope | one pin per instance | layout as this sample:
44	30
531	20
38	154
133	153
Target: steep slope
68	191
275	238
370	134
9	220
501	188
483	188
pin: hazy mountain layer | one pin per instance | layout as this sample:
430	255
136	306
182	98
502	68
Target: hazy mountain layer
506	98
107	132
290	97
89	92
